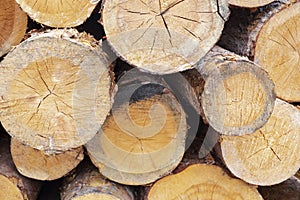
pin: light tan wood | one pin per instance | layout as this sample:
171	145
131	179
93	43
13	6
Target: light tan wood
201	181
271	154
14	186
249	3
39	165
278	51
238	96
270	37
163	36
88	184
58	13
143	139
13	24
56	91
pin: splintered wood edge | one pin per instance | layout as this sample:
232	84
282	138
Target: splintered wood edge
56	13
277	51
204	182
39	165
13	24
136	174
249	3
87	67
230	109
271	154
147	38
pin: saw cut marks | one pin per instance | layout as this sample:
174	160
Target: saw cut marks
163	36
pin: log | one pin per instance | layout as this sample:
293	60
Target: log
13	185
289	189
201	181
249	3
58	13
238	96
144	137
271	154
271	30
56	91
39	165
88	184
13	24
166	36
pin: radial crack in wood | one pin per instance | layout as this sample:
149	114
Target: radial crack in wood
238	96
56	91
163	36
201	181
141	142
271	154
59	13
39	165
13	24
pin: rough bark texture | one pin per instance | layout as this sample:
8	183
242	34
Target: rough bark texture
269	36
88	184
144	137
58	97
289	189
163	36
13	185
39	165
238	96
13	23
58	13
271	154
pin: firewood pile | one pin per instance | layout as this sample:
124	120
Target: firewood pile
149	100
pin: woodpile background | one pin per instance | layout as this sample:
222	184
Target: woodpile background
162	100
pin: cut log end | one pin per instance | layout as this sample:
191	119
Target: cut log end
9	190
271	154
278	51
39	165
58	13
139	145
46	99
200	181
238	96
163	36
13	24
249	3
88	184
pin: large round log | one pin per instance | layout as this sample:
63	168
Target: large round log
163	36
56	91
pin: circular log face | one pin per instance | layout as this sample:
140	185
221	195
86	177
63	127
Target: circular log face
58	13
238	98
13	23
201	181
271	154
141	142
163	36
249	3
278	51
55	95
9	190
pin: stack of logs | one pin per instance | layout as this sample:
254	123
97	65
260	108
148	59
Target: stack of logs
181	99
